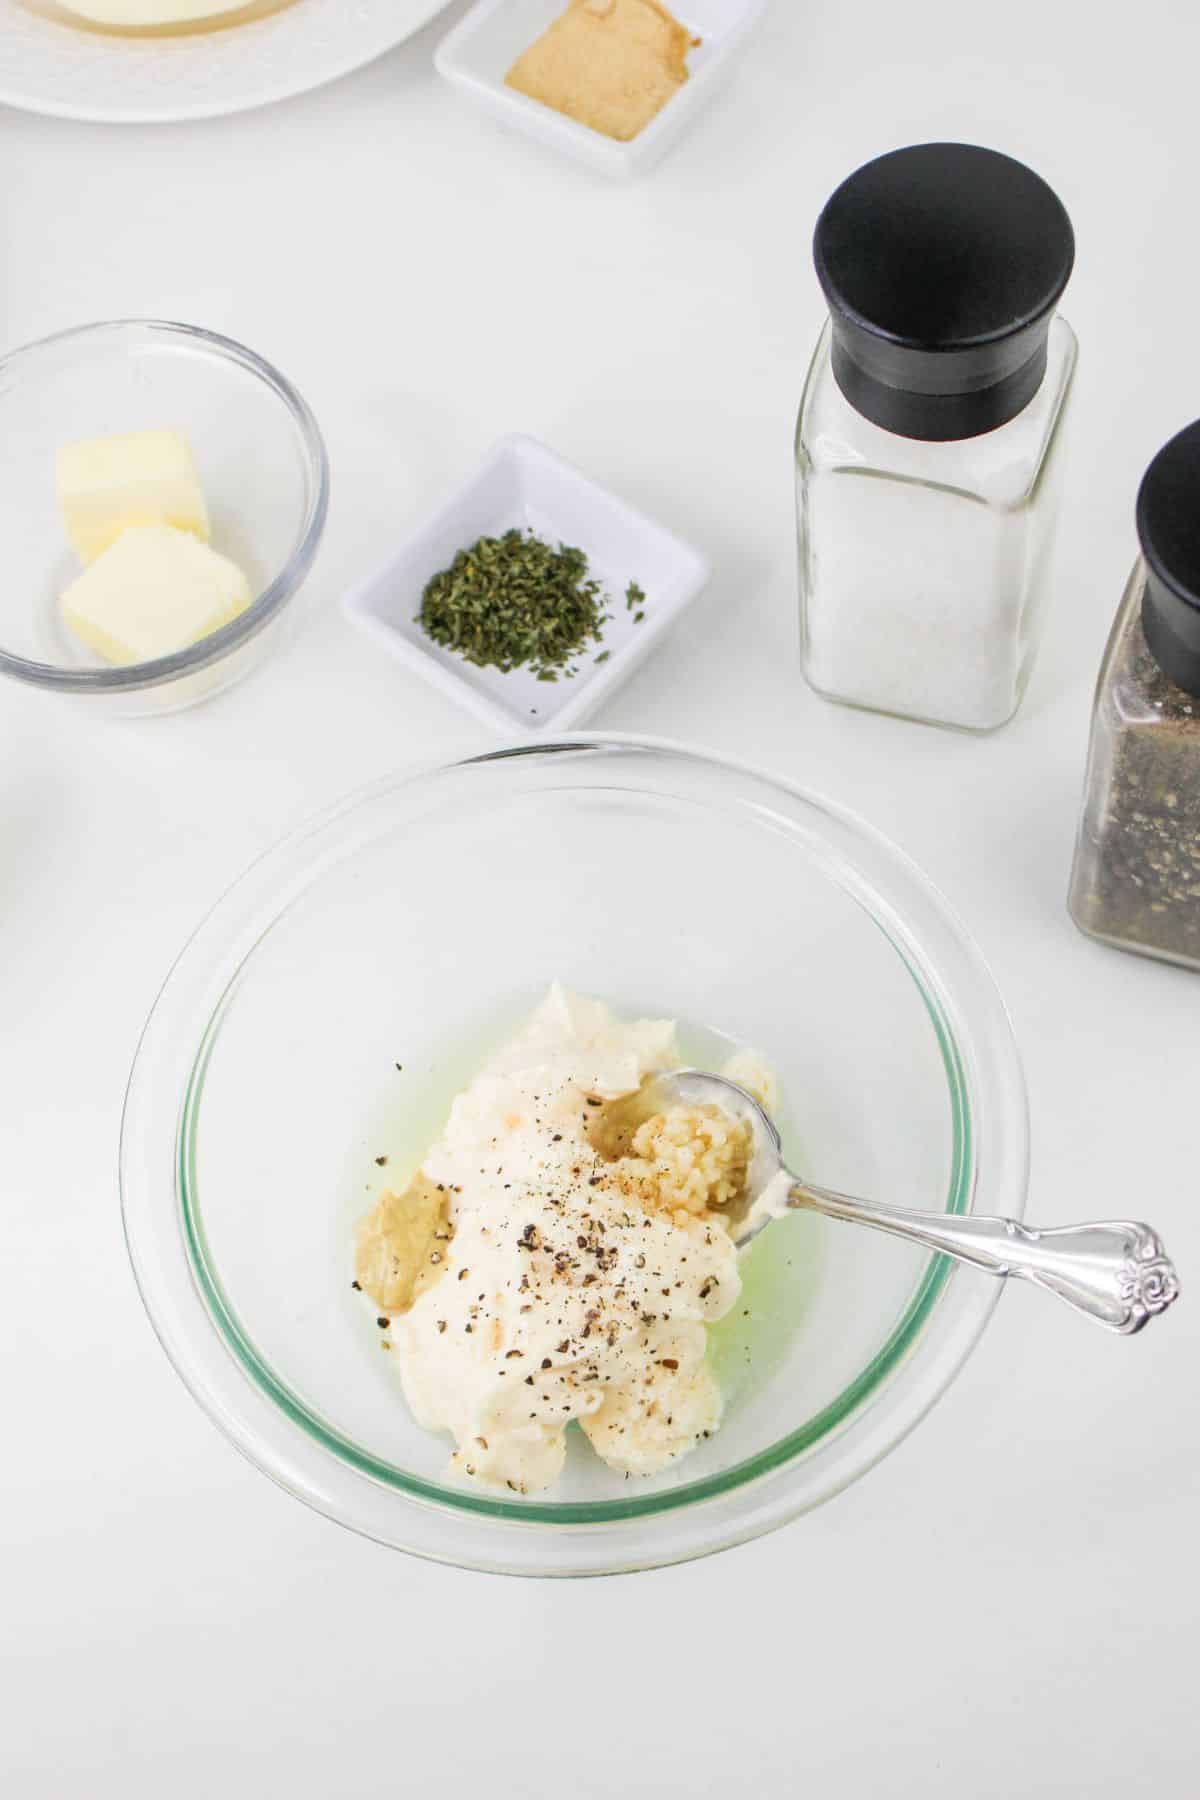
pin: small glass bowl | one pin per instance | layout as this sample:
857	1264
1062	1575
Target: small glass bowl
262	465
327	1010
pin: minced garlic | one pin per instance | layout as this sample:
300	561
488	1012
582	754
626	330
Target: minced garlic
684	1161
609	64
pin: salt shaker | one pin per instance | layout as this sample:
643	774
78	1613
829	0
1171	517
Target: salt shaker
1136	877
927	448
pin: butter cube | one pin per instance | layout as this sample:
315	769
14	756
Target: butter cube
105	485
154	591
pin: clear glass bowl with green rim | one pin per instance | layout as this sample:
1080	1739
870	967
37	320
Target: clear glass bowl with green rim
329	1007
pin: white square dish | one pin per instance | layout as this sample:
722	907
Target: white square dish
478	53
521	483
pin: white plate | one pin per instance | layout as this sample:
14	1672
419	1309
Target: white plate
522	483
477	55
51	66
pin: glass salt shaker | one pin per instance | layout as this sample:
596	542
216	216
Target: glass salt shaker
927	444
1136	877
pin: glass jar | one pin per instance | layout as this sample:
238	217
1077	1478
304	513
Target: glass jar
1136	877
927	445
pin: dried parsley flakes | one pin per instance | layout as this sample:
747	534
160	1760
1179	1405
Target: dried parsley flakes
516	602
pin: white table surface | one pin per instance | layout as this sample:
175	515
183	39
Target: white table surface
1008	1606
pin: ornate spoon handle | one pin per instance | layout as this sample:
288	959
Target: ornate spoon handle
1117	1273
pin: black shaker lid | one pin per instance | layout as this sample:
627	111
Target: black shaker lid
1168	523
942	265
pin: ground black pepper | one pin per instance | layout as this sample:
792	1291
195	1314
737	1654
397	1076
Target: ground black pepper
1136	880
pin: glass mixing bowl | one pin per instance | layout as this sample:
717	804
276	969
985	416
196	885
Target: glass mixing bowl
262	465
327	1010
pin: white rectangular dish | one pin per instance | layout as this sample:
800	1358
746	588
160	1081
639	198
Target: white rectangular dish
478	53
523	484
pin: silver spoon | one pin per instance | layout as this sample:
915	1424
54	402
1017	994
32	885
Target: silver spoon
1117	1273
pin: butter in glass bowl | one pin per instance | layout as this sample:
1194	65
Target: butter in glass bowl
266	487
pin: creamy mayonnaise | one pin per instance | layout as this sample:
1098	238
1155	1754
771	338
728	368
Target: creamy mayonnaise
549	1294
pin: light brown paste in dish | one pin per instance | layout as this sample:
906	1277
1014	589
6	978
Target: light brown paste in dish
609	64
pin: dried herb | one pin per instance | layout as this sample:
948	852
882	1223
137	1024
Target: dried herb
516	602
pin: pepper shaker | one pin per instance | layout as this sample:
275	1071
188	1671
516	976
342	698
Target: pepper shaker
927	443
1136	877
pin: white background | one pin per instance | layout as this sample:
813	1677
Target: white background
1008	1606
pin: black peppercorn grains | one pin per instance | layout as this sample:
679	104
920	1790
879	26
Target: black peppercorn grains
1136	880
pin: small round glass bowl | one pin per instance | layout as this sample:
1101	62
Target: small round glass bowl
262	465
328	1009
